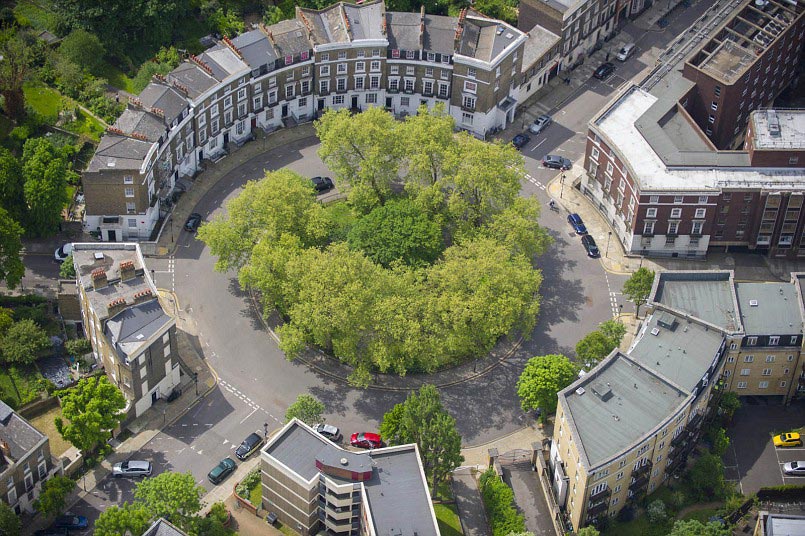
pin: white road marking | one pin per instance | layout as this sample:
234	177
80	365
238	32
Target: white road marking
537	145
249	415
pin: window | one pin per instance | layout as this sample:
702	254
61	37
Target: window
374	82
374	66
766	372
272	97
359	82
791	357
700	212
371	98
654	199
470	72
241	109
714	106
427	87
394	84
679	199
341	84
228	102
342	54
242	93
429	72
741	385
470	87
774	340
651	213
469	102
466	118
762	385
128	179
619	475
240	128
228	117
745	372
342	68
676	212
324	86
129	192
648	228
610	168
131	208
717	91
324	70
360	66
727	373
769	359
673	227
751	341
405	101
749	358
338	99
289	91
132	222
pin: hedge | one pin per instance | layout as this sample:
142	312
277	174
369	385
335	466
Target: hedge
499	502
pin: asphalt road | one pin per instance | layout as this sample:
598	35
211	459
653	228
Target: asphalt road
256	381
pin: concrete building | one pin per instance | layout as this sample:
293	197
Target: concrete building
581	24
771	524
654	162
344	56
314	485
25	461
628	424
132	337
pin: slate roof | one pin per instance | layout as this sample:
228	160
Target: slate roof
484	39
20	435
193	77
166	98
134	120
366	20
403	30
255	48
327	25
440	34
289	37
161	527
540	41
128	329
119	152
223	62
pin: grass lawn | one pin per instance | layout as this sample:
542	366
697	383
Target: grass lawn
116	77
44	423
702	515
86	125
44	100
256	494
26	379
447	516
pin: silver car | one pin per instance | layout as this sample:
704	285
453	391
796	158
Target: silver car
540	124
794	468
132	468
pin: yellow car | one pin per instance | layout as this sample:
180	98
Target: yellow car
789	439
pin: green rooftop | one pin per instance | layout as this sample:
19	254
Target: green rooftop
769	308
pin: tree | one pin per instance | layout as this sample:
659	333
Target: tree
306	408
363	151
84	49
115	520
78	347
47	172
707	476
174	496
638	287
18	55
656	511
719	440
22	342
12	195
9	521
694	527
11	267
497	9
422	419
598	344
542	378
728	405
498	500
397	231
54	494
588	531
225	22
517	227
91	409
273	15
6	320
67	268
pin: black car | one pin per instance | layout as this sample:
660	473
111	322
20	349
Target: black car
520	140
322	184
192	223
554	161
589	244
249	445
71	522
604	70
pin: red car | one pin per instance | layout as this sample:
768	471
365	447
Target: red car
366	440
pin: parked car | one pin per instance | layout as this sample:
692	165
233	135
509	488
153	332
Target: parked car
175	394
250	444
322	184
626	51
604	70
794	468
554	161
366	440
329	431
589	245
71	522
132	468
577	223
63	252
520	140
224	468
192	223
788	439
540	123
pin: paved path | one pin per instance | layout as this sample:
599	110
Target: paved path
469	503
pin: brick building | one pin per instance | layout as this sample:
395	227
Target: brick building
344	56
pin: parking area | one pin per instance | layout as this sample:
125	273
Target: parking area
752	461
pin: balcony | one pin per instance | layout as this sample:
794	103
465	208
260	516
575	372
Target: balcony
679	439
694	422
639	483
642	470
599	508
600	495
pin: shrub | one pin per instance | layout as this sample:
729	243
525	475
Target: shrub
499	503
244	487
656	511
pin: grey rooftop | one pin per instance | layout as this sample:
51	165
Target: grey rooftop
706	295
18	433
539	42
780	129
119	152
769	308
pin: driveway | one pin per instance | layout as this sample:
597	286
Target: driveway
752	460
528	495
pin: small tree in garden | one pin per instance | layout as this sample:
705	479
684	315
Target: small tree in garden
54	494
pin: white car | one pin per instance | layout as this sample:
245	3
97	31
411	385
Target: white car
63	251
540	123
794	468
132	468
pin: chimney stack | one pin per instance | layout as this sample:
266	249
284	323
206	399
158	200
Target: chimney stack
5	449
99	278
115	306
143	295
127	270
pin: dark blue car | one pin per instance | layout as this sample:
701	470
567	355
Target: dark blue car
578	225
71	522
520	140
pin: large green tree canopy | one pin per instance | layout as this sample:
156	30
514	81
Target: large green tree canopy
439	258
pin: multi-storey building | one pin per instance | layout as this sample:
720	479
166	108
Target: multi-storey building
581	24
631	422
314	485
541	57
653	164
132	337
25	461
344	56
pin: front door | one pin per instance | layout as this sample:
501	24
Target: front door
226	139
388	102
254	123
153	398
355	101
321	104
284	110
111	235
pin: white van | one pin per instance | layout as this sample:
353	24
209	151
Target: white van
626	51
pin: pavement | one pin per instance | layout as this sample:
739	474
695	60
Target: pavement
469	504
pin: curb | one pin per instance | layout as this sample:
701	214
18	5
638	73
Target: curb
375	387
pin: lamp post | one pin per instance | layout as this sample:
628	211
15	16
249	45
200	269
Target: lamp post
265	430
609	236
562	188
171	220
195	380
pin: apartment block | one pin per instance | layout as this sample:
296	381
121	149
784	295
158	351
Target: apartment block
313	485
344	56
25	461
665	173
630	423
133	338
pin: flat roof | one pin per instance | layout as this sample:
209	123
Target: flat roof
706	295
615	405
779	129
397	493
776	311
681	354
485	39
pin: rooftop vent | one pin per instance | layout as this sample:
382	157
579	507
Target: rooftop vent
604	392
509	35
98	256
774	123
344	461
667	321
753	303
500	30
580	391
110	163
655	331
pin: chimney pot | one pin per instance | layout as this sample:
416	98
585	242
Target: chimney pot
99	279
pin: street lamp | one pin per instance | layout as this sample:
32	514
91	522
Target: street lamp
562	189
171	220
195	380
265	430
609	236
